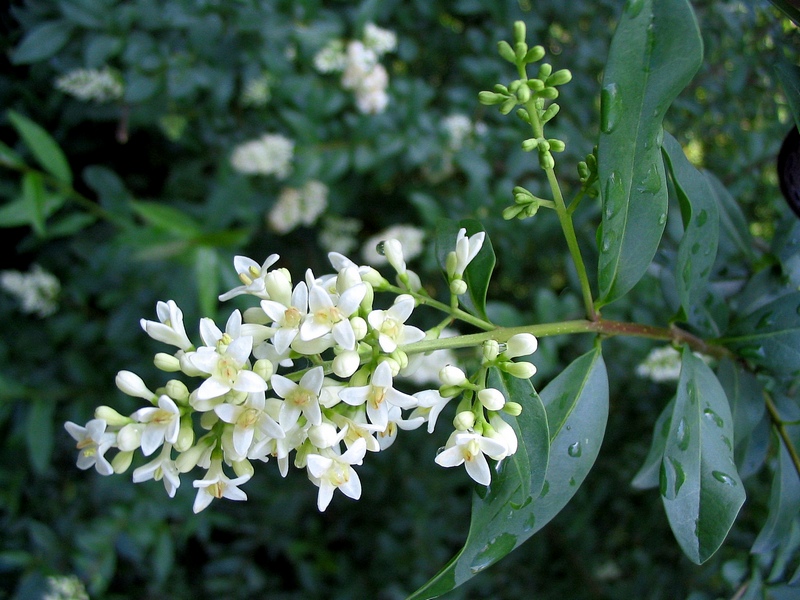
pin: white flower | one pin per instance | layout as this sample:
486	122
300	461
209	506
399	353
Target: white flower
247	418
271	154
162	424
256	92
467	248
378	396
661	364
331	58
162	467
521	344
252	275
505	434
287	319
411	239
37	290
396	422
334	471
227	370
93	441
100	85
132	385
298	207
169	329
458	128
390	324
492	399
332	315
469	449
300	397
65	588
430	405
217	485
379	40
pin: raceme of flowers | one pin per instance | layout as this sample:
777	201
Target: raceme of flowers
271	154
99	85
358	61
312	378
297	207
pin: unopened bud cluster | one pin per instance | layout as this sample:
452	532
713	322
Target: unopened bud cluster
310	377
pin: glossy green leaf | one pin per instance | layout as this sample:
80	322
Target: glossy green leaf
42	42
769	337
700	487
745	396
478	273
34	197
43	147
698	246
167	218
576	404
735	237
655	51
649	473
784	505
516	479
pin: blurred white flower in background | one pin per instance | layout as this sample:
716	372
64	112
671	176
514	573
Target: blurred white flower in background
271	154
297	207
99	85
37	290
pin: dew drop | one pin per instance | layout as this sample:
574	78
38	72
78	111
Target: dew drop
613	195
496	549
575	450
572	482
724	478
702	217
714	417
545	489
671	478
766	320
682	434
610	107
380	248
529	523
662	218
651	182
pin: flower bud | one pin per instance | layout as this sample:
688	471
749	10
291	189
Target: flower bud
393	364
491	348
519	31
360	327
556	145
521	344
492	399
208	420
546	160
512	212
513	408
451	375
188	459
534	54
507	106
346	363
177	390
450	391
550	112
530	144
524	94
167	363
278	284
490	98
264	368
560	77
122	461
393	251
505	50
520	370
243	468
464	420
451	263
130	437
401	358
545	69
323	435
360	377
132	385
185	434
458	287
548	93
111	416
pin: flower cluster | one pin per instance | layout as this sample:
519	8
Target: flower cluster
37	290
271	154
297	207
99	85
312	377
357	60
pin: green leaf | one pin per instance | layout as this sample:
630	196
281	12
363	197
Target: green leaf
9	158
18	212
110	189
655	51
745	395
784	505
167	218
576	405
735	234
698	246
515	481
648	474
700	487
769	336
43	147
206	272
478	273
33	195
42	42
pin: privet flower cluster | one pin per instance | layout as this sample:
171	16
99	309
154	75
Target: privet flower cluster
309	378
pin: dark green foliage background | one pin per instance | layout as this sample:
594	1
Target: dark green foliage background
188	59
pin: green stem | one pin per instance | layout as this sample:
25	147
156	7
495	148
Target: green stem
453	311
600	327
780	427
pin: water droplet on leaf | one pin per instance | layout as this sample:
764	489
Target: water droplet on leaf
682	434
724	478
575	450
714	417
610	107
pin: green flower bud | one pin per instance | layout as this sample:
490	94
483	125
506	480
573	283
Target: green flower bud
360	377
167	363
490	98
519	32
111	416
560	77
450	391
556	145
177	390
508	105
521	193
264	368
545	70
491	349
501	89
523	114
546	160
458	287
524	94
535	54
512	212
185	434
551	112
544	145
520	370
506	52
451	263
122	461
549	93
208	420
243	468
535	85
520	50
530	144
512	408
